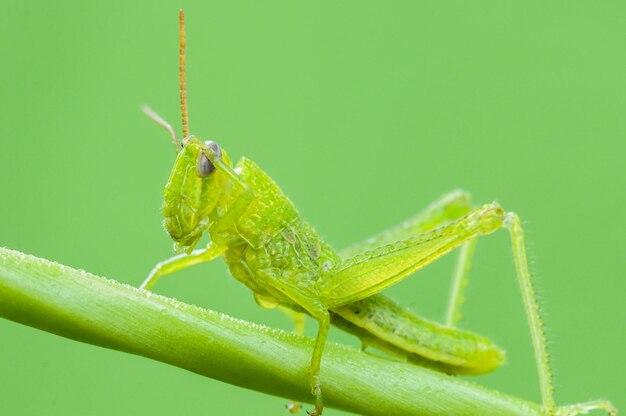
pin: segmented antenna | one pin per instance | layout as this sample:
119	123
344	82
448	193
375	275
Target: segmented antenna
183	83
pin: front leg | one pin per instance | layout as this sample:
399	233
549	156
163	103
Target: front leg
182	261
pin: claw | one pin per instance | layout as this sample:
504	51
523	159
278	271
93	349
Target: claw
585	408
293	407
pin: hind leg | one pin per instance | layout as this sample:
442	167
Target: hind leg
370	271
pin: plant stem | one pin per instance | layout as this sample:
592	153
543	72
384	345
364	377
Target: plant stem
78	305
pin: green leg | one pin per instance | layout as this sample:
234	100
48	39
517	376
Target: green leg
298	327
586	407
449	207
460	282
371	271
181	261
323	319
297	317
302	297
513	223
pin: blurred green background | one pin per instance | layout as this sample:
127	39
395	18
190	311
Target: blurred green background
363	112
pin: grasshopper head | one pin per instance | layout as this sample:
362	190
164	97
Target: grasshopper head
198	177
192	191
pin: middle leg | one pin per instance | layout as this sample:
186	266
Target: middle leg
323	319
298	319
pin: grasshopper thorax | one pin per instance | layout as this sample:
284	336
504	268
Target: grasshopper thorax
193	190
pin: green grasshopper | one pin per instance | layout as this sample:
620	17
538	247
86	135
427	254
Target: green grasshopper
272	250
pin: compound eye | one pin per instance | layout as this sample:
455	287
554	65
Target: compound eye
215	148
204	166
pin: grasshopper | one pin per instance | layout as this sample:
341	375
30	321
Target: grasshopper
280	257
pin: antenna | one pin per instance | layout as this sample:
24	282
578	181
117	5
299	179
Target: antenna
157	119
183	83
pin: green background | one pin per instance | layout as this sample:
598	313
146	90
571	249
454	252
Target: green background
363	112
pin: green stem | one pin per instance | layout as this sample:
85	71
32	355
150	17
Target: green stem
78	305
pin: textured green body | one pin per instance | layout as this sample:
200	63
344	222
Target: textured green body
269	241
273	251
